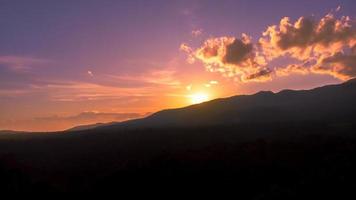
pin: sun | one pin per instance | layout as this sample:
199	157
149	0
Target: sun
199	98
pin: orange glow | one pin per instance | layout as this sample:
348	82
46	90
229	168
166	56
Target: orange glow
199	97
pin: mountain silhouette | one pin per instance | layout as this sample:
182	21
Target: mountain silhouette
332	102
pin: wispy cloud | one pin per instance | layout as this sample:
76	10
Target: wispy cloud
143	85
13	92
90	73
20	63
163	77
80	91
197	32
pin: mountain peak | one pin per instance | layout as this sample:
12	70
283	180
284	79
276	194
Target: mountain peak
267	92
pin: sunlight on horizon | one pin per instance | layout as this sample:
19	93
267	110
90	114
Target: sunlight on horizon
199	98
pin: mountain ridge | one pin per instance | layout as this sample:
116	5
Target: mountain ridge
326	102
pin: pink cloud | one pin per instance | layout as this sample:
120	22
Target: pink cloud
232	57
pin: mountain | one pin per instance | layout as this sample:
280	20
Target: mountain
332	102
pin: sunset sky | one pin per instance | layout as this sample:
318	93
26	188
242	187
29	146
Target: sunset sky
73	62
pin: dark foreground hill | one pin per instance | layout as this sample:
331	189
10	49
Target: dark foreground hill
289	145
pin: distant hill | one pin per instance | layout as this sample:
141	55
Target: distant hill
86	127
10	132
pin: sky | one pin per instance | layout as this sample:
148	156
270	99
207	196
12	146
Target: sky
74	62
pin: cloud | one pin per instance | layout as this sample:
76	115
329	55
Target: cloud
213	82
307	37
163	77
292	69
72	91
82	91
338	8
323	42
90	73
140	86
91	116
232	57
13	92
189	87
189	51
197	32
340	65
324	46
226	51
20	63
260	76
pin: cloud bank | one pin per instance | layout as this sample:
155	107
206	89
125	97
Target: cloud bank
319	46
